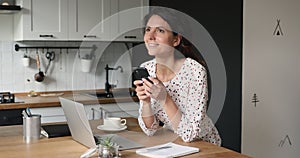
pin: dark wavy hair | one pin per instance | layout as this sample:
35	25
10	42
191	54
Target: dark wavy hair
180	26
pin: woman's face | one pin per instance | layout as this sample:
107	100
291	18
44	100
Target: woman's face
159	38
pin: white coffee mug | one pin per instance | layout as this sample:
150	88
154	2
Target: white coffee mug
114	122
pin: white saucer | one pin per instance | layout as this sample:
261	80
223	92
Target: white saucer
112	129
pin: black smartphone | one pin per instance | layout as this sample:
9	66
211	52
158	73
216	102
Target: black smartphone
140	73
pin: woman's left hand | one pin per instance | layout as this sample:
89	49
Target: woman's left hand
155	90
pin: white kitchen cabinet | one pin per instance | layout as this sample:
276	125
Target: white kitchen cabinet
41	20
93	112
124	109
56	114
80	20
107	20
50	114
271	75
87	20
127	19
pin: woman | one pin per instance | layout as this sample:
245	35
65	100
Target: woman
179	93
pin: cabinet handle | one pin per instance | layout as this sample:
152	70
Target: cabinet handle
130	37
47	36
90	36
93	113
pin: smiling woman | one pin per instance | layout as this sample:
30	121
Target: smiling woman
179	93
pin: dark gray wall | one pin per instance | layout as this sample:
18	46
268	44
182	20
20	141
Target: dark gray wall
223	20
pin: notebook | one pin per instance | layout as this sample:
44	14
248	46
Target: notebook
167	150
80	127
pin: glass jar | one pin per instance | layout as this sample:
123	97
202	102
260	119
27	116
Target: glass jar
109	152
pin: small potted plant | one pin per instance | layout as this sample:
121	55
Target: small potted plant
107	148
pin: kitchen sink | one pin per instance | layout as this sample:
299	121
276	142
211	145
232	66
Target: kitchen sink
113	94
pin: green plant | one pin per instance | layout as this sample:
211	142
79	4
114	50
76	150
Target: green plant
106	142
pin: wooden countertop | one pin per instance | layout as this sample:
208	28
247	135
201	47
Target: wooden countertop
53	101
12	145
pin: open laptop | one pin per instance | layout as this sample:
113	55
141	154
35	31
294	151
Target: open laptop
81	130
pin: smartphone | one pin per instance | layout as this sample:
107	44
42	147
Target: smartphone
140	73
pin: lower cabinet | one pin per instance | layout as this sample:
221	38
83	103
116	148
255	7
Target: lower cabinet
95	111
11	117
50	114
129	109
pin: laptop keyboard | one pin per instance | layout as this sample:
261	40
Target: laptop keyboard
123	143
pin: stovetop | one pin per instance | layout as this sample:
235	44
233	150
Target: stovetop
7	97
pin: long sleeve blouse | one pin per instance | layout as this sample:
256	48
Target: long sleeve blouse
188	89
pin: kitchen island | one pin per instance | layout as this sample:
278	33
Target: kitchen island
12	144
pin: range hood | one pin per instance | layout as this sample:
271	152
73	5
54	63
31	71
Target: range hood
8	6
7	9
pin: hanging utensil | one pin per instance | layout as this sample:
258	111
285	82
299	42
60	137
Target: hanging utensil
26	54
39	77
50	56
60	60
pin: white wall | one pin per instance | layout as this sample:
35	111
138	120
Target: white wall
64	72
270	127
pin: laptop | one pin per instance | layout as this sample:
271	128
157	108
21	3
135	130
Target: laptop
81	130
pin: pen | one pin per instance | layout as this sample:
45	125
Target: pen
28	112
154	149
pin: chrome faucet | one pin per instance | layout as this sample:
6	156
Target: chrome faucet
107	85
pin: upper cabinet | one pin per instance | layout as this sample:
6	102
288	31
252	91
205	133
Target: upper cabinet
77	20
87	20
127	19
42	20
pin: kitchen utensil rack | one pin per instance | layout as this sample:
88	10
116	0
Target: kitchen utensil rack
17	47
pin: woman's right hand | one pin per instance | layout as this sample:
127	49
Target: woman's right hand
146	113
140	91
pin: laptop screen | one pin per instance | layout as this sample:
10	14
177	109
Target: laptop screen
78	122
80	128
